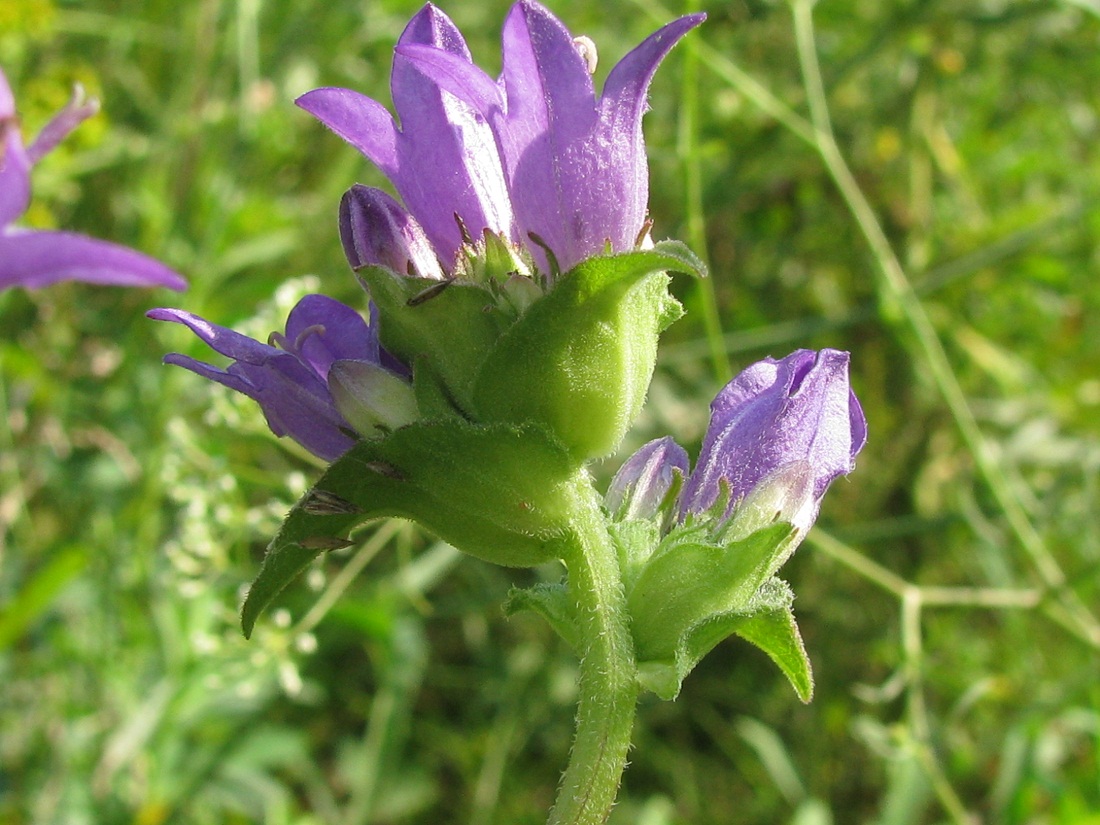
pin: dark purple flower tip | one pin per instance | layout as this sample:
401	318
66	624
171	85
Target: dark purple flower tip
289	381
375	230
642	483
775	413
38	258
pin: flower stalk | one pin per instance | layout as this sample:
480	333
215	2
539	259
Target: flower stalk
608	682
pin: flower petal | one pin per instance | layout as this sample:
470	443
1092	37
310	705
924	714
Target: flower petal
799	409
361	121
76	111
222	340
641	484
449	162
322	330
15	175
293	396
35	259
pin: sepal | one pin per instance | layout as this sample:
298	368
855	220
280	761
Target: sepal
693	592
432	472
766	622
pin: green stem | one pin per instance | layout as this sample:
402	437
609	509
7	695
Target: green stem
608	687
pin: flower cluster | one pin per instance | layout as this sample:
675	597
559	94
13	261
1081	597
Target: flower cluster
533	158
37	258
505	184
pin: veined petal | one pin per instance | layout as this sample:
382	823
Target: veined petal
15	166
361	121
7	99
619	207
798	409
297	403
290	389
39	258
76	111
641	484
376	230
551	115
222	340
449	161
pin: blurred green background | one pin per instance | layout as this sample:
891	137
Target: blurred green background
948	601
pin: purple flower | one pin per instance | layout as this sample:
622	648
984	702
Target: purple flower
294	377
794	418
443	160
533	157
36	258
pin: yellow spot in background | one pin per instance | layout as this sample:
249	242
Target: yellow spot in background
887	144
26	17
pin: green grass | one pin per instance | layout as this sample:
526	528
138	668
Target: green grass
916	182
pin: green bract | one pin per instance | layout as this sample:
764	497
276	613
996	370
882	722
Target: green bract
433	473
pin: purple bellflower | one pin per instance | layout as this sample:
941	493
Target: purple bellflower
37	258
793	424
309	382
533	157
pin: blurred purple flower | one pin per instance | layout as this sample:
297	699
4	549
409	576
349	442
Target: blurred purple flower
289	377
533	157
775	414
37	258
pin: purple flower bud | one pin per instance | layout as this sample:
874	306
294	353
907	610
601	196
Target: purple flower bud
644	480
799	410
289	377
39	258
375	230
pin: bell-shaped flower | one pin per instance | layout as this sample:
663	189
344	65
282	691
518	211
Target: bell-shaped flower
443	159
37	258
799	410
575	165
326	370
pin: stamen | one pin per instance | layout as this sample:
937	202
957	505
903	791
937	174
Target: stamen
467	238
316	329
587	49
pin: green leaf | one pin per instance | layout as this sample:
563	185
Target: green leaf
435	474
580	359
553	603
689	580
767	621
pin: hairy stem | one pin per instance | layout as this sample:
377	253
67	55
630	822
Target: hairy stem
608	688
